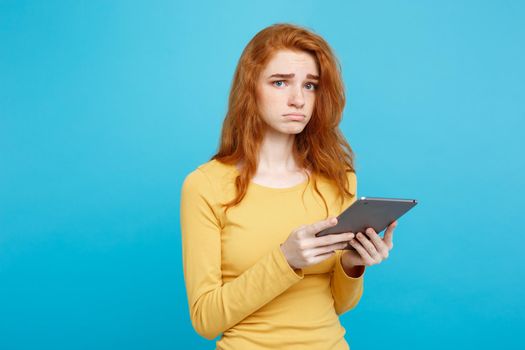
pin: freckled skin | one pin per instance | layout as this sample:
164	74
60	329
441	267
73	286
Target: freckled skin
278	96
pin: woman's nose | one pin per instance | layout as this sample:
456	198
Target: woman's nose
296	98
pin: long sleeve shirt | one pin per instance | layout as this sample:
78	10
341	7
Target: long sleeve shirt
238	282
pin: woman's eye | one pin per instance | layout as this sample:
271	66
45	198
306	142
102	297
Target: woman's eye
312	86
309	86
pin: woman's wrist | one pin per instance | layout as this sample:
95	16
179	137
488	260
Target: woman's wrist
354	271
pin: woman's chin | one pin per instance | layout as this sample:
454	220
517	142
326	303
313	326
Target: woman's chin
295	128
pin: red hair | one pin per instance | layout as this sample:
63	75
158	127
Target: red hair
320	147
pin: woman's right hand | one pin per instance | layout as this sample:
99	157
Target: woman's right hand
302	248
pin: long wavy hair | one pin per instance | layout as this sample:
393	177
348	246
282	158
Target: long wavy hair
320	147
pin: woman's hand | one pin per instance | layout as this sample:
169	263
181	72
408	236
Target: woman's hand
370	249
303	249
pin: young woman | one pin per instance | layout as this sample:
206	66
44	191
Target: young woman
254	271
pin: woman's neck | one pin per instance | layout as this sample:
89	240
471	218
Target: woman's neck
276	154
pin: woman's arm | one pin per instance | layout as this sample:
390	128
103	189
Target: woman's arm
214	306
346	284
346	289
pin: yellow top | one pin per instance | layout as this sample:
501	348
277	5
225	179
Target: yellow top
238	281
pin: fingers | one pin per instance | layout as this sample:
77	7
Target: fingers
311	230
369	247
380	245
317	259
389	233
326	249
328	240
367	259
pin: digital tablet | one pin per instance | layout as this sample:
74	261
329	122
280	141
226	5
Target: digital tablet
373	212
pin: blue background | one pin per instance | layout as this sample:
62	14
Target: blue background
106	106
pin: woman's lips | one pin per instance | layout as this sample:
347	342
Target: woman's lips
296	117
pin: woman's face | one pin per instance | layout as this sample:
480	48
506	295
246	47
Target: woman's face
286	91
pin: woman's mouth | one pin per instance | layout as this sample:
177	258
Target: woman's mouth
295	117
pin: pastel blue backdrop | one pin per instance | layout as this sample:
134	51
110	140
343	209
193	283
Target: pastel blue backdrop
106	106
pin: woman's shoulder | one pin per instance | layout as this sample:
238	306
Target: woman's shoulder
215	167
212	174
214	170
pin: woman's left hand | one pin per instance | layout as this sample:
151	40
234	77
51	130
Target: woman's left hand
370	249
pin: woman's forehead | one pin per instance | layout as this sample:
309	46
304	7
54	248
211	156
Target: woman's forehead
287	61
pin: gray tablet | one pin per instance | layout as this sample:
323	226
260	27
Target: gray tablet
366	212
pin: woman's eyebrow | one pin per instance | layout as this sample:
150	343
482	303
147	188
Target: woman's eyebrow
291	75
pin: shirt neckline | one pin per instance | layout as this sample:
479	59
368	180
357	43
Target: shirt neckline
279	189
273	189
